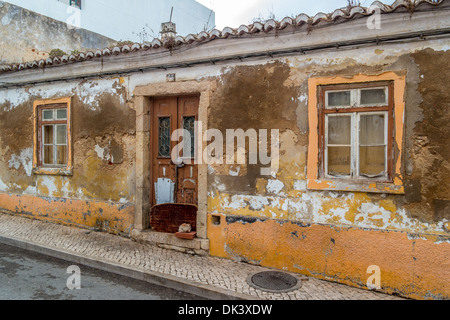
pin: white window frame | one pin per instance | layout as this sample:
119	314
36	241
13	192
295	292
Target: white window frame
55	143
355	146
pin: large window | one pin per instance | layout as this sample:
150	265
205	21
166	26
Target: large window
52	137
356	126
356	122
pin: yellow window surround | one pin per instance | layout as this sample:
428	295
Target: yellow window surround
47	170
314	180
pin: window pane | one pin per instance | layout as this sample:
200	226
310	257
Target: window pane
336	99
372	130
373	96
339	130
61	152
48	134
372	161
61	134
164	137
339	161
47	114
61	114
189	144
48	155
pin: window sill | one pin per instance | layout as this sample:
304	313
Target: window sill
395	187
53	171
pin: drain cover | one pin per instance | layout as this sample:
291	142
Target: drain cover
274	281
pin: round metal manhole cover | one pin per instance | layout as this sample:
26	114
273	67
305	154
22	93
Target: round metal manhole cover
274	281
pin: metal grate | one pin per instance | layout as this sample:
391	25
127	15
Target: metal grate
274	281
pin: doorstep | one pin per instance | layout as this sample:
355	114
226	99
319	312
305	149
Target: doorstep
170	241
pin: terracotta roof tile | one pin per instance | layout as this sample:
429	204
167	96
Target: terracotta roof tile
257	27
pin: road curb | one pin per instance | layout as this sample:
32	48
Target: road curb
168	281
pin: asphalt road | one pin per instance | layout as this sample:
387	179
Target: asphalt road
26	275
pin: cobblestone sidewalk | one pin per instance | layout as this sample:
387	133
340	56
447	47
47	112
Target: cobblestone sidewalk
212	277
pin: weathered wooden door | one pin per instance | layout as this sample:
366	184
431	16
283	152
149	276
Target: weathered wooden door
174	178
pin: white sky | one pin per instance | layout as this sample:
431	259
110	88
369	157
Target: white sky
233	13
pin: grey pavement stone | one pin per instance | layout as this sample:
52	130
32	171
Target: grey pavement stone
220	275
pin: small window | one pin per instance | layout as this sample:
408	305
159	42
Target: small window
52	137
356	140
72	3
75	3
53	125
189	141
164	137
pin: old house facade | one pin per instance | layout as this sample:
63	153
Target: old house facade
352	106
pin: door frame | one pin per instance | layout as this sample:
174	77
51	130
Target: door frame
144	188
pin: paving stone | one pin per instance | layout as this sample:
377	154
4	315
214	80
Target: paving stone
215	272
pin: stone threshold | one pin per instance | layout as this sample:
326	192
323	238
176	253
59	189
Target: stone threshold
196	246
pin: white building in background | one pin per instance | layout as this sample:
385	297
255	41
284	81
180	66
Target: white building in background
135	20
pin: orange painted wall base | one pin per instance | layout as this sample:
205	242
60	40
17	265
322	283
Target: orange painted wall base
411	266
110	217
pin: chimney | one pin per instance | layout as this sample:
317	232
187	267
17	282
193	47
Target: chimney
168	29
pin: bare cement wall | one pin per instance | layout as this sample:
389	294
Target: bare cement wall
26	36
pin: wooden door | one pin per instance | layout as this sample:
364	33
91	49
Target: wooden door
173	180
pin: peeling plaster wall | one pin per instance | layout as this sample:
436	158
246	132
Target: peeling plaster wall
273	221
273	97
102	182
261	216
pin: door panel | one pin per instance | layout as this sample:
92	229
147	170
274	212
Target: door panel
168	115
187	175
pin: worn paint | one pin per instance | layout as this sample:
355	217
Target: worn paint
290	220
107	216
107	181
263	214
409	266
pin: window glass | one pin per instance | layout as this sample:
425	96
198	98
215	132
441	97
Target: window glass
47	115
189	142
164	137
339	130
48	134
61	134
61	152
339	161
372	150
339	98
373	96
372	130
61	114
48	154
372	161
